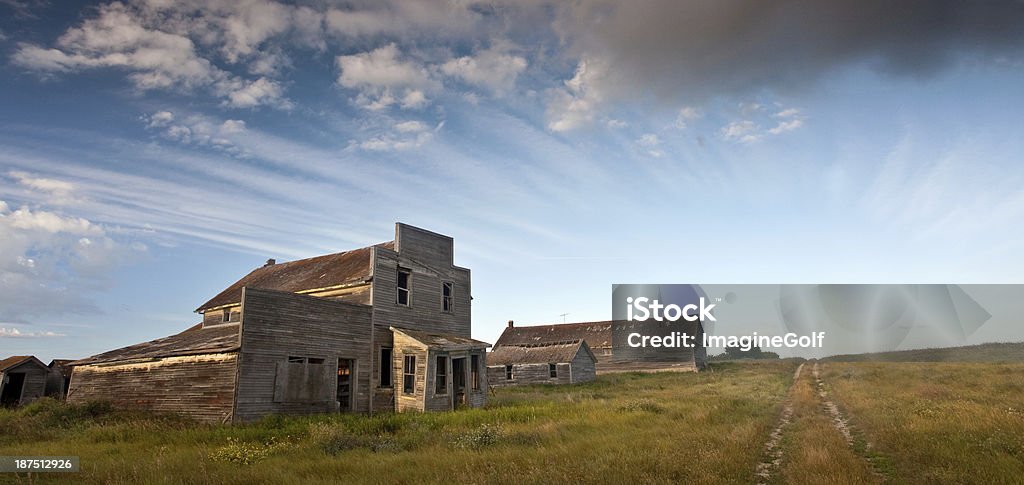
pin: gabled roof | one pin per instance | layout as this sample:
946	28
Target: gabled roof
325	271
597	334
17	360
442	341
194	341
539	353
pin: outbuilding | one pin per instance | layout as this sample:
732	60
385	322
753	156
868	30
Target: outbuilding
559	362
22	380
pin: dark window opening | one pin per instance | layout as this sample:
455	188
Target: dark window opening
225	315
409	375
553	370
474	364
508	373
315	361
404	277
385	367
296	360
441	375
447	290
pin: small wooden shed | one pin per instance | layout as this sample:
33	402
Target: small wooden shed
23	380
560	362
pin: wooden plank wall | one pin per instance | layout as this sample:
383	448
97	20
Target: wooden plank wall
201	386
35	381
415	401
584	369
276	325
525	374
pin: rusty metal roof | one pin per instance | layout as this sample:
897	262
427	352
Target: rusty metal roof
597	334
539	353
194	341
325	271
442	341
17	360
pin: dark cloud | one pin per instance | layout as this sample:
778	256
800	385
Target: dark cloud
694	49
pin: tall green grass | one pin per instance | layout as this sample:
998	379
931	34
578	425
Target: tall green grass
660	428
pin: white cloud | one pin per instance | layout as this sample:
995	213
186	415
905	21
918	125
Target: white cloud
786	126
788	113
197	130
649	140
494	69
154	44
613	123
15	333
384	79
232	126
686	115
411	127
575	105
50	261
744	131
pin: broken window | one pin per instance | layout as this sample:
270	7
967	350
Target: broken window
404	280
296	360
553	370
385	367
409	375
441	375
226	315
305	360
508	373
474	364
447	290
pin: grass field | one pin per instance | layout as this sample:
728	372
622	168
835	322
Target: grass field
904	423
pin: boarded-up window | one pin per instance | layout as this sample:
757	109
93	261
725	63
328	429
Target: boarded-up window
447	292
385	367
409	375
300	380
508	373
474	371
404	280
441	375
553	370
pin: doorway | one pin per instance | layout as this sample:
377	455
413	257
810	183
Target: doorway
11	395
459	381
346	367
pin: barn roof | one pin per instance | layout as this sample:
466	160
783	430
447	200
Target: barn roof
17	360
442	341
325	271
597	334
539	353
194	341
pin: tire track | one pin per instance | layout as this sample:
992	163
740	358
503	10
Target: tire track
772	448
842	424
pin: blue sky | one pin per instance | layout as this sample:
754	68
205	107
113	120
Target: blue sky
153	152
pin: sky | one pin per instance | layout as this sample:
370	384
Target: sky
152	152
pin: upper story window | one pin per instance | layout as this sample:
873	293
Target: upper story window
225	316
404	284
447	292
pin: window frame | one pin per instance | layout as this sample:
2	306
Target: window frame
407	289
508	373
474	372
225	316
386	368
552	371
448	301
407	386
441	375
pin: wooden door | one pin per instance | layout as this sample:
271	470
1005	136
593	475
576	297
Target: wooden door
346	369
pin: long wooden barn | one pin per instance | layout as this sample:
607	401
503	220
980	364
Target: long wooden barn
567	362
381	328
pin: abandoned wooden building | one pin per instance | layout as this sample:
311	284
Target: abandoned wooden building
22	380
566	362
381	328
611	354
59	379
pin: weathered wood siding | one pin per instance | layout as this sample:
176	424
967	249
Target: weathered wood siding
429	257
277	325
35	381
201	386
410	401
584	368
384	397
525	374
